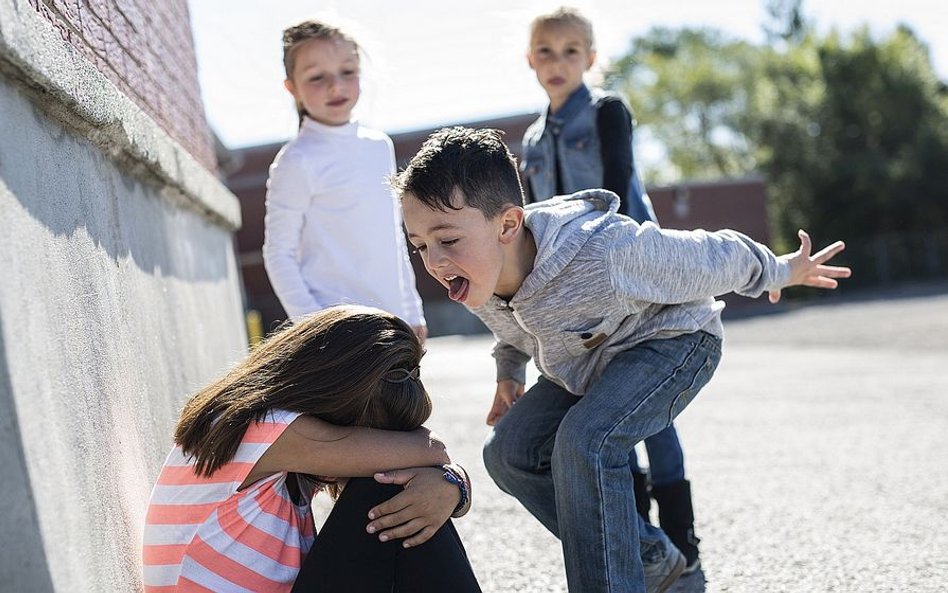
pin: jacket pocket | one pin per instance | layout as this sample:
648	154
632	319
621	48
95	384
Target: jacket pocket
579	143
582	341
533	160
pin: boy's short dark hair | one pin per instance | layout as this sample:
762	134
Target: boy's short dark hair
475	162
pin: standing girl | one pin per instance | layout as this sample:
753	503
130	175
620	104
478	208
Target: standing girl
335	394
333	230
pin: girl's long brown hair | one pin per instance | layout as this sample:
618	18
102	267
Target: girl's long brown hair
346	365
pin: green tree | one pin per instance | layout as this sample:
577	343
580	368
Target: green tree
850	131
852	134
689	89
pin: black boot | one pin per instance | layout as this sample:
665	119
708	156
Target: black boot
643	501
677	519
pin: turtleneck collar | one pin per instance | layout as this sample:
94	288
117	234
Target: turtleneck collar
346	129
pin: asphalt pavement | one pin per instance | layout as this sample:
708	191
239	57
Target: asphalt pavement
818	454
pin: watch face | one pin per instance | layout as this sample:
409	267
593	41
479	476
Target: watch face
449	476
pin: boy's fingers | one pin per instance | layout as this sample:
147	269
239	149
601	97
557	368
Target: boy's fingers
828	252
834	271
774	296
805	245
822	282
494	415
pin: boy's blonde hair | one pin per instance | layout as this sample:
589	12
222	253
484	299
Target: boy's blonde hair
562	17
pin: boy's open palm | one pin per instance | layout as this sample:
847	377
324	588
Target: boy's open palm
808	270
419	510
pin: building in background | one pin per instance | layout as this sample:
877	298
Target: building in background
120	291
739	204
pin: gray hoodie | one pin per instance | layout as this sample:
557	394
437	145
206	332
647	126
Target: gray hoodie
601	283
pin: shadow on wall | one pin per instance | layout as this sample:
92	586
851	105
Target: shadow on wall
23	565
118	212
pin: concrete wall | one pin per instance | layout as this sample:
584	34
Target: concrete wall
146	50
119	295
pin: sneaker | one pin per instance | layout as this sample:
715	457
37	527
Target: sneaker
663	564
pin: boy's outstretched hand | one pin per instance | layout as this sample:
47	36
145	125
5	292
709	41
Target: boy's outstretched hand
808	270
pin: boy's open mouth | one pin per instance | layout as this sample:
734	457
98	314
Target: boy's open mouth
458	287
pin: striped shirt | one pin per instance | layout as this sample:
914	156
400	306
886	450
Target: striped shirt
201	534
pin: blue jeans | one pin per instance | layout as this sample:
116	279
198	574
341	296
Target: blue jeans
566	458
666	461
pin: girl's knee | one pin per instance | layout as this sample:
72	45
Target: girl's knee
367	492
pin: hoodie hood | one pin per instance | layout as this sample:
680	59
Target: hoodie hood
560	227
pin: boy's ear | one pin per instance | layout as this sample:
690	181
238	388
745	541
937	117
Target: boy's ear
511	224
530	58
289	86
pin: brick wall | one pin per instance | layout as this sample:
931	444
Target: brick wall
145	48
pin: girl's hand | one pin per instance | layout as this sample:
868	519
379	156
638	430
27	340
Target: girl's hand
808	270
419	510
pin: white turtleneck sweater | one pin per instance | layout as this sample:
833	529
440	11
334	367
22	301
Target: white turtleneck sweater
333	228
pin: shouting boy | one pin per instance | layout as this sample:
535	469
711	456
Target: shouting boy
619	318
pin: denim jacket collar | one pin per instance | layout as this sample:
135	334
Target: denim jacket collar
575	102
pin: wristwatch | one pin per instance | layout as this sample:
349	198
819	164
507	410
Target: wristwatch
453	476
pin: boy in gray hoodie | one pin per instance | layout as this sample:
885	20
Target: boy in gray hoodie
620	320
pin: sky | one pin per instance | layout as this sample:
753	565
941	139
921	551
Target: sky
430	63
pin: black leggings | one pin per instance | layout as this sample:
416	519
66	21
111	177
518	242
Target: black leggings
347	558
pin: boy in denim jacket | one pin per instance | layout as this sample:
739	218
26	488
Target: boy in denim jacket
583	140
619	318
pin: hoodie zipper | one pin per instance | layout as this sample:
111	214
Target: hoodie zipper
536	341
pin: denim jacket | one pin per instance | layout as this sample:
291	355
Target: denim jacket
572	135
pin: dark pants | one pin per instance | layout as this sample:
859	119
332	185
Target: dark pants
347	558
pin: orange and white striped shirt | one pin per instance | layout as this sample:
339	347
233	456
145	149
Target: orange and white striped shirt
201	534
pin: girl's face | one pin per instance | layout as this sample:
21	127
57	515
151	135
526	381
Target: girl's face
560	54
325	79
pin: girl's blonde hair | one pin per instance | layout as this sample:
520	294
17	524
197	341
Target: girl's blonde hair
347	365
294	37
564	16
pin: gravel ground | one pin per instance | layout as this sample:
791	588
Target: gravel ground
818	455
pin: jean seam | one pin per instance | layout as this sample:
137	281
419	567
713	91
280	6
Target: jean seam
599	470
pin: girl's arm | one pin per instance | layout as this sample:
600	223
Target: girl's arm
614	124
288	199
312	446
411	300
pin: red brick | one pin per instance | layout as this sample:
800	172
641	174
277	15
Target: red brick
100	8
69	10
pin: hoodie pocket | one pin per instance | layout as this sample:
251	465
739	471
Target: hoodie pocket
582	341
